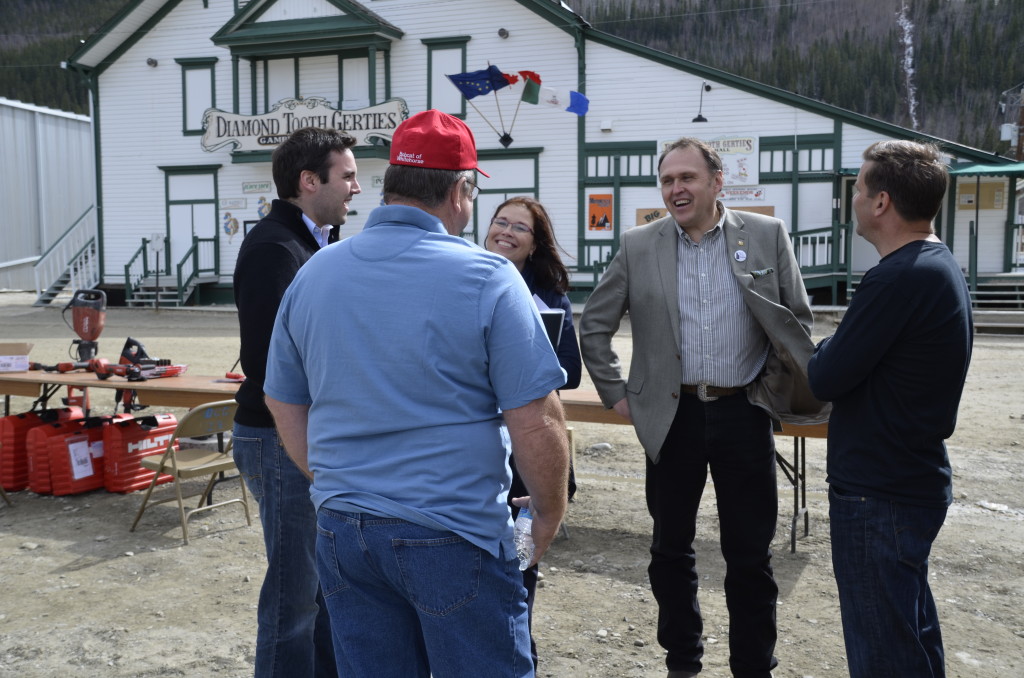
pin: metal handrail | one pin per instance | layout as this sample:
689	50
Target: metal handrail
131	282
67	253
822	249
202	257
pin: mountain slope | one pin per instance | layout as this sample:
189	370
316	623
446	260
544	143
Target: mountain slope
938	66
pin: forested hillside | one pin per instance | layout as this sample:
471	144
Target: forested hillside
938	66
35	37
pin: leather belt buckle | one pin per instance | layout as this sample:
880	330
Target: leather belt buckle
702	393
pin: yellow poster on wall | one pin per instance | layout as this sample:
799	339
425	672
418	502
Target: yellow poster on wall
599	212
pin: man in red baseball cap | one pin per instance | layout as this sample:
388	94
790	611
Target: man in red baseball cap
404	362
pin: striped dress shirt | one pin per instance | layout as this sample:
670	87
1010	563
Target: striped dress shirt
722	343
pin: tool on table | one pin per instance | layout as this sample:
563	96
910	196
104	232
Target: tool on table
88	317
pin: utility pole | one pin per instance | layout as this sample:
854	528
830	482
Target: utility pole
1011	102
1020	126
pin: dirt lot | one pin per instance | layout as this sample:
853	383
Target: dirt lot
82	596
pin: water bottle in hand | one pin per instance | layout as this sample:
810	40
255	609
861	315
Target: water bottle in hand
523	536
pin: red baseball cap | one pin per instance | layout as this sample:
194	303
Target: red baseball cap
436	140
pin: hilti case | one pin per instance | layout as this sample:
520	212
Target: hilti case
13	453
77	461
125	443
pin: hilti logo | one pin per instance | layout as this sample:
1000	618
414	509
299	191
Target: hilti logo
149	443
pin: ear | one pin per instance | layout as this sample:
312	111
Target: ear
881	202
308	181
456	194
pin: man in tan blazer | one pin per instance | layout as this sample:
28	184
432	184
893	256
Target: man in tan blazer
721	338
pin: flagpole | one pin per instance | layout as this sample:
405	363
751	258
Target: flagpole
497	105
515	115
470	102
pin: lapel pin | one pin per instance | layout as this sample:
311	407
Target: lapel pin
740	255
740	243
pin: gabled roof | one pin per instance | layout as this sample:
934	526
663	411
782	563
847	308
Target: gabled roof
120	32
356	26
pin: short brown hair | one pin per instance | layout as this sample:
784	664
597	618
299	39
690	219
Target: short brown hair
711	157
911	172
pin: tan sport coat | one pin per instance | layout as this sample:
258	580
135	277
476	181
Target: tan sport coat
642	280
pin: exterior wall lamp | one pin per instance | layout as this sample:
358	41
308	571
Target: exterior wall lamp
705	87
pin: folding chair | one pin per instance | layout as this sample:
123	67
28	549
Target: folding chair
209	419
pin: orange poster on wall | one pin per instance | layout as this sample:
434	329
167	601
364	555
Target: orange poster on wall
599	212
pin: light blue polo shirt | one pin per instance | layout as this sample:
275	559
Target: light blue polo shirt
407	342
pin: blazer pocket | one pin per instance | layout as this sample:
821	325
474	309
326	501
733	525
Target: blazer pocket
635	384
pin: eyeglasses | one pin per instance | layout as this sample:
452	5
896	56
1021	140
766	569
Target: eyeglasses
474	190
502	224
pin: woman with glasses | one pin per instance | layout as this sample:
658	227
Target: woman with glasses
521	232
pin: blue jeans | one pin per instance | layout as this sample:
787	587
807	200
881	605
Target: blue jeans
880	555
408	601
293	637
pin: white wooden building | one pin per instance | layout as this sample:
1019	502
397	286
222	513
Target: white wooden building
46	186
189	97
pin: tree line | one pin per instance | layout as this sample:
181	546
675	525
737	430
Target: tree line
847	54
966	53
35	37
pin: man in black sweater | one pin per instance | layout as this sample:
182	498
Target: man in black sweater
315	175
894	371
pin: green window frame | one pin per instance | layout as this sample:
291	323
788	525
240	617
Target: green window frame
192	85
809	156
438	79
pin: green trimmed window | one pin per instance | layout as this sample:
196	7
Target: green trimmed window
198	92
445	56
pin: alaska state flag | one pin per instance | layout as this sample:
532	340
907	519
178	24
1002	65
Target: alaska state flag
476	83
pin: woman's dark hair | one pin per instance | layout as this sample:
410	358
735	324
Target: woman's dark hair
548	270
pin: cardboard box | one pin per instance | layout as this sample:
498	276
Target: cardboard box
14	356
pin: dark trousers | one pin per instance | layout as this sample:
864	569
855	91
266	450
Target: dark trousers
734	439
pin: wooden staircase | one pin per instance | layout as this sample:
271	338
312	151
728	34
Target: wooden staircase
148	294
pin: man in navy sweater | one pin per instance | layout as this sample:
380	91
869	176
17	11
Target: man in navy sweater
894	371
315	175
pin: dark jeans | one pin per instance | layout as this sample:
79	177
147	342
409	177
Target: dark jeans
880	555
518	489
293	636
734	439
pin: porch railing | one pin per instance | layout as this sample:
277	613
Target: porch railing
200	260
822	250
75	252
136	270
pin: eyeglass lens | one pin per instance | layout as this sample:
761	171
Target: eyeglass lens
514	225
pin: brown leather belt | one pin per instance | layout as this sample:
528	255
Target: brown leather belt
708	393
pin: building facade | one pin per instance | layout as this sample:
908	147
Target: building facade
46	186
189	98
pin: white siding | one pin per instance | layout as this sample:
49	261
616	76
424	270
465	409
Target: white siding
643	100
299	9
46	183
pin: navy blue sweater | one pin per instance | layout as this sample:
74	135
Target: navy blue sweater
894	372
